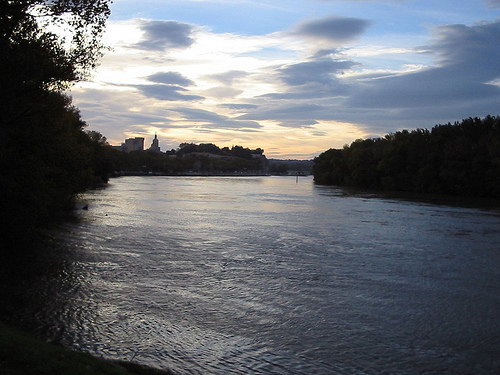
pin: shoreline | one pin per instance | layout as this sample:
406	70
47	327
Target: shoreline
186	174
23	353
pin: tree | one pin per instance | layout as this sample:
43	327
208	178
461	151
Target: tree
46	158
240	152
104	158
459	159
35	60
330	168
78	25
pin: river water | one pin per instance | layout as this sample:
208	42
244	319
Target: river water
270	275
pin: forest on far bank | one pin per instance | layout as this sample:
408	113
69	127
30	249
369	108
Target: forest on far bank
190	158
456	159
203	159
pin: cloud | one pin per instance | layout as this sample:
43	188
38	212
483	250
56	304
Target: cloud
208	119
432	87
160	35
228	78
290	86
315	78
169	86
333	29
367	1
468	58
475	48
318	71
459	85
493	4
222	92
119	112
171	78
299	115
238	107
166	92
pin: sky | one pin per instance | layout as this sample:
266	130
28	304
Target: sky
292	77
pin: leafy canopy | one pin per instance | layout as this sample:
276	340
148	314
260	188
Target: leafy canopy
71	29
46	158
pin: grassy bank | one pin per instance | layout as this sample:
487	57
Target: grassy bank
21	354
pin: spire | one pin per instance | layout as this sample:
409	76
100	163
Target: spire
155	145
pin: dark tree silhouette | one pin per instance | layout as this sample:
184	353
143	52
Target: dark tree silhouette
458	159
203	158
46	157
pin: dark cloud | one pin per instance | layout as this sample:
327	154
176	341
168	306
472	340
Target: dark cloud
333	28
306	84
318	71
304	93
160	35
207	119
314	79
475	48
326	53
468	59
493	3
433	87
238	107
367	1
300	115
459	86
167	92
171	78
170	87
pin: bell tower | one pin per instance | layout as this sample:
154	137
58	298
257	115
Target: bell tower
155	145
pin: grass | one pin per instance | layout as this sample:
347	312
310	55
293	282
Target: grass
22	354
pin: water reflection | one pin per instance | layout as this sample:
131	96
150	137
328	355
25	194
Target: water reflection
266	275
43	287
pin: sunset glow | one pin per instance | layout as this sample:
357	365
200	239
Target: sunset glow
292	77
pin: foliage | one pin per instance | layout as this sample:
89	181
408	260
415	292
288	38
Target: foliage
46	157
190	158
290	167
210	148
46	160
77	27
459	159
104	158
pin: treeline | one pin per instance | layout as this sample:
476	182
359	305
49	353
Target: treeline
459	159
46	156
210	148
190	158
290	167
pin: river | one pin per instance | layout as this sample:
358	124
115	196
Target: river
273	275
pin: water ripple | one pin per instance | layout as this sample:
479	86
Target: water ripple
267	276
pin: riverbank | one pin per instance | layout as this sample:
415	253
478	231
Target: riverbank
22	354
189	174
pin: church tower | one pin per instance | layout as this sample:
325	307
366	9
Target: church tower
155	146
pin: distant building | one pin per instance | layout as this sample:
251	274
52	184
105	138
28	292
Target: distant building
155	146
133	144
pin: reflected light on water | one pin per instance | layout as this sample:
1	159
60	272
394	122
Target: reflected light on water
271	275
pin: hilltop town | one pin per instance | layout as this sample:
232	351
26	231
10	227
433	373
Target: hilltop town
200	159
